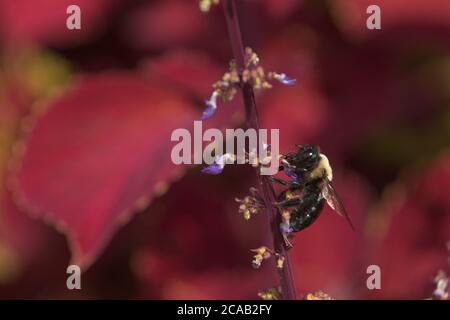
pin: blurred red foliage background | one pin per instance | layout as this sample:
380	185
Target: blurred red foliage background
85	169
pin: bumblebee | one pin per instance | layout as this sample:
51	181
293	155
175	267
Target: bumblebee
310	174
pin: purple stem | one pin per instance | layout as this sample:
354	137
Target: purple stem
265	186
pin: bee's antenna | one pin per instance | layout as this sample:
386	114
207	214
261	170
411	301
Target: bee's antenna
291	148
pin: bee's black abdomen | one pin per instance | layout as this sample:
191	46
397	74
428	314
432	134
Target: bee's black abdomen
309	209
304	216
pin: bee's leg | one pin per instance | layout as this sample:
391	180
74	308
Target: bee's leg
288	203
286	194
292	185
279	181
282	195
255	193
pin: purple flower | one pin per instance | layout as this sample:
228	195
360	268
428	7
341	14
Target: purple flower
289	170
219	164
256	264
291	174
442	286
284	79
285	228
213	169
211	106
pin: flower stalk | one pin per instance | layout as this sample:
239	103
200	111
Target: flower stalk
264	185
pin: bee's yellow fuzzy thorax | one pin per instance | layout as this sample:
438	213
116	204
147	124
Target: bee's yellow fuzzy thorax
323	168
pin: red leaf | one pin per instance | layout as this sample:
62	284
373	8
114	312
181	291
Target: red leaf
214	283
163	24
22	239
328	255
192	71
99	153
414	247
44	21
301	111
201	247
280	9
352	15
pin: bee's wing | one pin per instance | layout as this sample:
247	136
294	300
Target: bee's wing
334	201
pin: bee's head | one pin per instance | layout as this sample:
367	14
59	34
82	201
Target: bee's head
308	157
